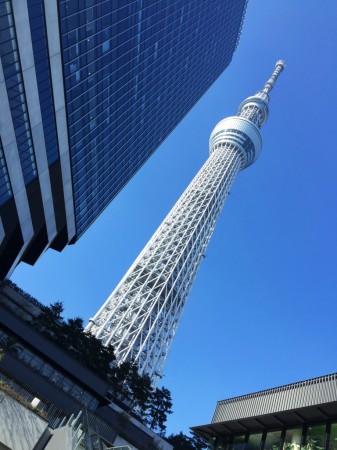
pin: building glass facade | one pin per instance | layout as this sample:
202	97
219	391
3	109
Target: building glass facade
333	437
89	90
5	187
10	60
43	75
254	441
132	71
321	436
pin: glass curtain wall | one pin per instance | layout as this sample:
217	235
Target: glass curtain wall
237	443
333	437
292	439
315	438
254	441
312	437
272	441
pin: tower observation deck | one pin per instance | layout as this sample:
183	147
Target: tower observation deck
141	315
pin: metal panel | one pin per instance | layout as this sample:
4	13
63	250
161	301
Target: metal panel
315	391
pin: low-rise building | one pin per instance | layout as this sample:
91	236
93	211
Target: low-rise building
297	416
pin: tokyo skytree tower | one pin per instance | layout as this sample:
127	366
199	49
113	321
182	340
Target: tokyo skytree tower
141	315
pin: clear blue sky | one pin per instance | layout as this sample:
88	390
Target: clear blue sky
263	309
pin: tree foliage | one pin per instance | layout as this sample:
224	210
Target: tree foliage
159	409
69	334
150	405
182	442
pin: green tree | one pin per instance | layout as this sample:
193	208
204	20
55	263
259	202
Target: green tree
49	320
117	376
151	406
140	390
159	408
86	348
198	442
70	335
182	442
129	385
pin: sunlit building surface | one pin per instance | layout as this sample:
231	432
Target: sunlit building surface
298	416
141	316
88	91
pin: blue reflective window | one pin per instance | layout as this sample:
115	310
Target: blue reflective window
43	73
140	67
5	187
15	90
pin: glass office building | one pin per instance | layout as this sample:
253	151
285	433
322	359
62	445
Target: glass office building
89	89
297	416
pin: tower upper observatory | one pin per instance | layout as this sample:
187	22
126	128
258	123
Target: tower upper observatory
243	129
141	315
255	108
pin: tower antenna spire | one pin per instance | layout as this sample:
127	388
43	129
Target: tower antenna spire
279	66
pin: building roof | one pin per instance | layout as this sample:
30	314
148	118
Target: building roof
313	400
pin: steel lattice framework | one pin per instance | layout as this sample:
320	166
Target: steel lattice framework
141	315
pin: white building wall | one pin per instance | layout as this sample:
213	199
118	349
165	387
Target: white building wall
20	10
20	428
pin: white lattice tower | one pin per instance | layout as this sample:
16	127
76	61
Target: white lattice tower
141	315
